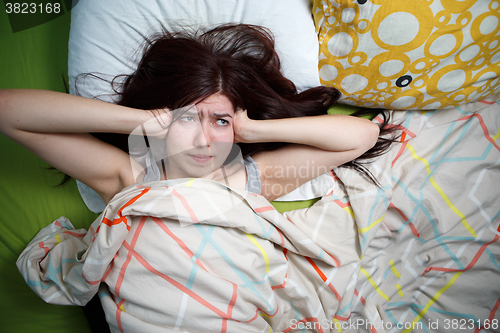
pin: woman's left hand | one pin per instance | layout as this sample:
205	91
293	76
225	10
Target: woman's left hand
241	126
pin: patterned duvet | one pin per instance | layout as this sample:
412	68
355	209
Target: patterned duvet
419	253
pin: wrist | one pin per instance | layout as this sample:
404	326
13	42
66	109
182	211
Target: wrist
252	131
267	130
152	122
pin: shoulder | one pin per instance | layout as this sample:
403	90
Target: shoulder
285	169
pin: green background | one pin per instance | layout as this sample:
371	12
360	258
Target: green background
30	199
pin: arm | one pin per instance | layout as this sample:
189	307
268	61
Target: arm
320	143
55	127
43	111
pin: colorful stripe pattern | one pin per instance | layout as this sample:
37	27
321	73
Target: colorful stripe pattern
434	263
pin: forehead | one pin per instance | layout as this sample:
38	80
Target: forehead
217	103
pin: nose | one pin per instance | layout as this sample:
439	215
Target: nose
202	137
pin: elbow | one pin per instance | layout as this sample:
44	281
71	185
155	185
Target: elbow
370	136
3	110
4	99
8	113
375	133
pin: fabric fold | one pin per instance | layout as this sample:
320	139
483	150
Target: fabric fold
190	248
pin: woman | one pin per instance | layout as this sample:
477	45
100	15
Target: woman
194	95
223	72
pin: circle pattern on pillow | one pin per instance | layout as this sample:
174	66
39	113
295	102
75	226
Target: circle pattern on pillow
418	54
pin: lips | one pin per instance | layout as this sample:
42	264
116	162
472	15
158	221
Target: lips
201	158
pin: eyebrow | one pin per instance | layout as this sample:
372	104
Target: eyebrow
215	115
222	115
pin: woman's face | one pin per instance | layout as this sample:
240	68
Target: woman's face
200	140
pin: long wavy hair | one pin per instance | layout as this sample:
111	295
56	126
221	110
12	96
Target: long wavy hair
237	60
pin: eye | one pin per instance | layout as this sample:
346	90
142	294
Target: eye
222	122
187	119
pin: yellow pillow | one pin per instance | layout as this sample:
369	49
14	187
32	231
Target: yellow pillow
409	54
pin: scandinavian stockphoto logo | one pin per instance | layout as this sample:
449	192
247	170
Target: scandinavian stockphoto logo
29	14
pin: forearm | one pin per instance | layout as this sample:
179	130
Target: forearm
43	111
327	132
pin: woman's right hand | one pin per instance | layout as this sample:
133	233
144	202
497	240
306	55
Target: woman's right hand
158	125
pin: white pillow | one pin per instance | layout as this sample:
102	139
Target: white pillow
105	35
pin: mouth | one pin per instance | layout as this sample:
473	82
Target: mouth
201	159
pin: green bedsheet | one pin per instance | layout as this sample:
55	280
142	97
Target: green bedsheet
29	198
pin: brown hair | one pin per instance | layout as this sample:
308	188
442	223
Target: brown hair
238	60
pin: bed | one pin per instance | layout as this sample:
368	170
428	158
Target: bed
419	253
